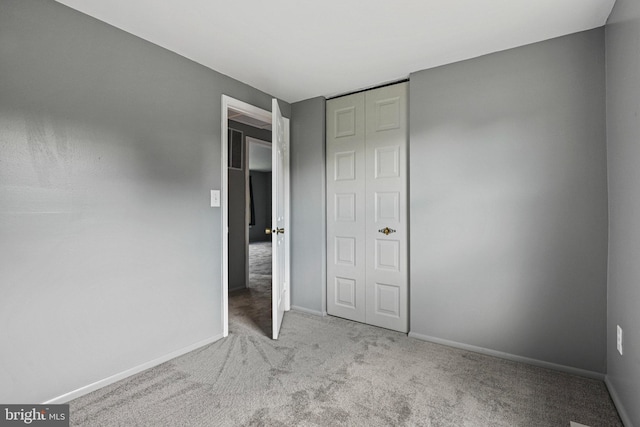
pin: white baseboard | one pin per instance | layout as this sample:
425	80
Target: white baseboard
618	403
512	357
308	311
124	374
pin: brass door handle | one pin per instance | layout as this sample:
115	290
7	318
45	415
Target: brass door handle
386	231
275	231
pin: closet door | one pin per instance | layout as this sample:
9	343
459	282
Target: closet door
386	207
346	223
367	207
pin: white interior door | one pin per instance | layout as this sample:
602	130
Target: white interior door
280	216
367	247
386	137
346	207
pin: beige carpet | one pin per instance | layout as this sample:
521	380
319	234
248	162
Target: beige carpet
329	372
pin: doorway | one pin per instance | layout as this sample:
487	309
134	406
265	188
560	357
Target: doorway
250	247
248	119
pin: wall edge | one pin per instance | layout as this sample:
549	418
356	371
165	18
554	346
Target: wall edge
66	397
617	402
512	357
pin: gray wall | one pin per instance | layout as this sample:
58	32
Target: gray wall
237	224
508	202
261	182
109	250
308	221
623	153
237	210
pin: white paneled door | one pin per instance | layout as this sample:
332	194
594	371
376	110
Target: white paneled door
280	216
346	207
367	278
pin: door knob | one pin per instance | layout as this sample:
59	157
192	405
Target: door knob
386	231
275	231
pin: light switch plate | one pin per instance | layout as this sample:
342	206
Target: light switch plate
215	198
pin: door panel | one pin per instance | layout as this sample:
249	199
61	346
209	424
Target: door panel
345	208
386	200
345	251
345	292
386	162
280	214
387	301
387	255
345	166
387	206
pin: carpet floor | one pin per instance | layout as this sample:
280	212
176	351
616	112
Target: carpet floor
250	308
326	371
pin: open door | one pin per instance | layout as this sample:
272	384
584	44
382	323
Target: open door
280	216
280	205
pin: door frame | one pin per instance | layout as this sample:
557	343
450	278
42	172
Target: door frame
228	103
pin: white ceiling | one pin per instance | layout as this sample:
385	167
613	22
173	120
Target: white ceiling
299	49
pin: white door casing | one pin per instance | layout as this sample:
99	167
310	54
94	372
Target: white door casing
280	217
367	277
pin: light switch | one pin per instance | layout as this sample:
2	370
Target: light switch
215	198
